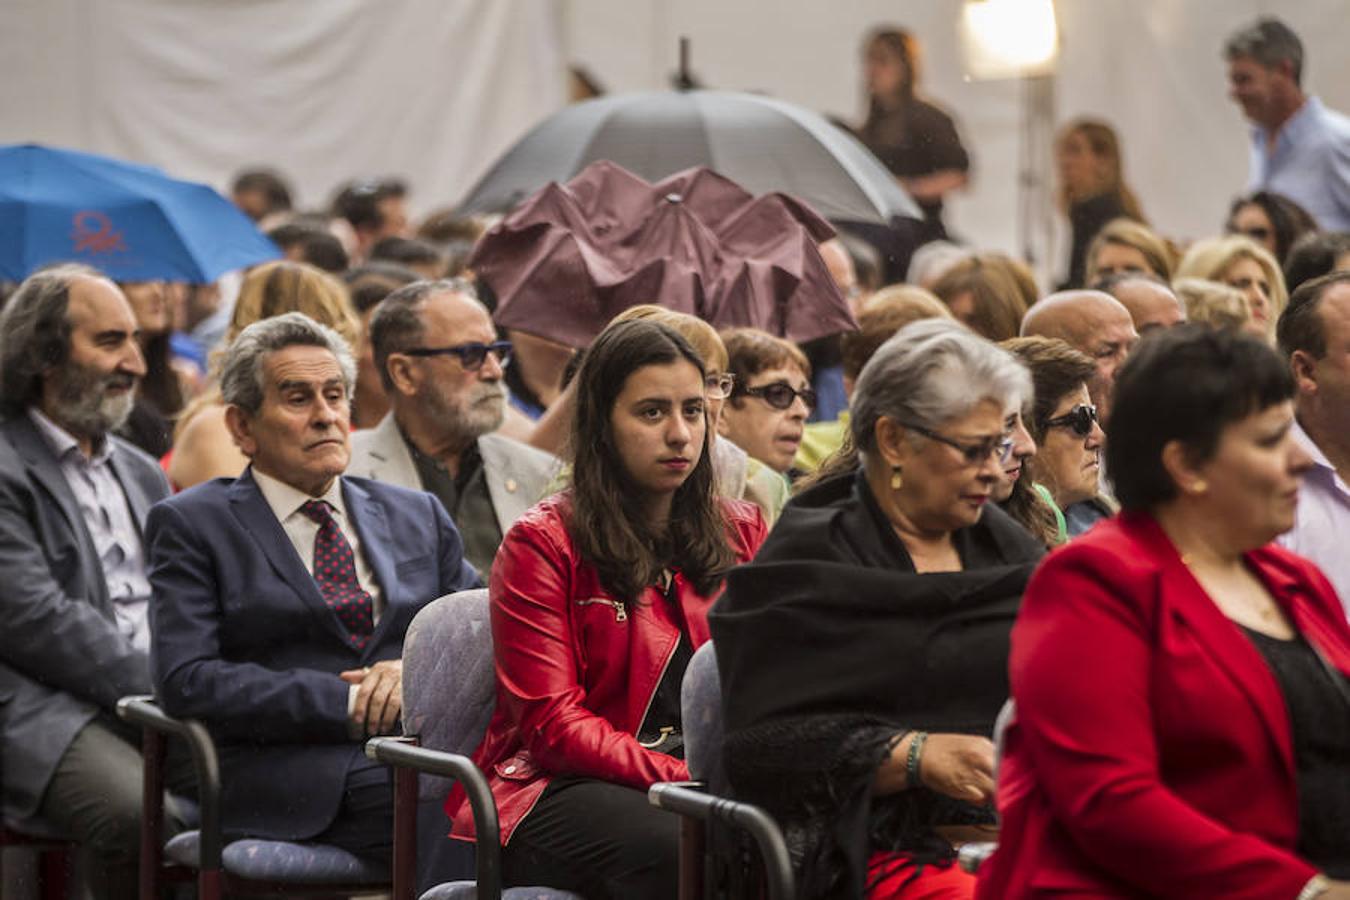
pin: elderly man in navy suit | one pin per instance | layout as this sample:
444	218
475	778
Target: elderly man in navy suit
281	598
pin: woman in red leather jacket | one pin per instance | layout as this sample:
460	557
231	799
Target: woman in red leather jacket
599	597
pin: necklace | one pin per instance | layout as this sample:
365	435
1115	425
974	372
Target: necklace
1267	611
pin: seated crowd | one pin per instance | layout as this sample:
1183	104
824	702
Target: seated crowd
1114	513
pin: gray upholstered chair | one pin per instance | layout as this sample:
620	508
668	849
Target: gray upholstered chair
237	867
449	693
698	801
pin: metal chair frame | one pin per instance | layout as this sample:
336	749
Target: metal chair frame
53	860
408	760
213	881
696	807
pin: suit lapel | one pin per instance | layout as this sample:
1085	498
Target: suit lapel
256	517
1222	640
497	467
45	472
372	529
132	488
390	459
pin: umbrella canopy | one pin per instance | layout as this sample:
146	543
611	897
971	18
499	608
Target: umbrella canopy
574	256
132	222
764	145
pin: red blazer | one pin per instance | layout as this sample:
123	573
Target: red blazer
575	670
1151	753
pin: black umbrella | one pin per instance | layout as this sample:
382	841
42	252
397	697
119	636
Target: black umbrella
763	144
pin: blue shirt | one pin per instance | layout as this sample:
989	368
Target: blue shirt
1310	163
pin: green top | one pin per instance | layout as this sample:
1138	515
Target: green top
819	441
1061	527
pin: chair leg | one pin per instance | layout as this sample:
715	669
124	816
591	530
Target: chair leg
693	849
53	872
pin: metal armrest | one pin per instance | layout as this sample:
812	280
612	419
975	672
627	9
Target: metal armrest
407	759
156	725
973	855
687	798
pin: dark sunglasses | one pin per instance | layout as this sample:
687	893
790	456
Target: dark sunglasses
780	394
471	356
974	453
1257	233
1079	420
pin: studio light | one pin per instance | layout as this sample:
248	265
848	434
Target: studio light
1009	38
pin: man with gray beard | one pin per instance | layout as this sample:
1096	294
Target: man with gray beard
73	582
441	364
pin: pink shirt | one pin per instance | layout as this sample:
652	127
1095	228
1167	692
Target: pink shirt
1321	529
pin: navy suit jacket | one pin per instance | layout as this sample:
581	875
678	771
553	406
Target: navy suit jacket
242	639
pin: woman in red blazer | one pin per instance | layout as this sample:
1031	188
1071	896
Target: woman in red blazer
1182	721
599	597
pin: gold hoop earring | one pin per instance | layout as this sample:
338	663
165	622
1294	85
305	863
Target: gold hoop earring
897	479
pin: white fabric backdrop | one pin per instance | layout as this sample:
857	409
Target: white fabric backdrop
432	90
435	89
1151	67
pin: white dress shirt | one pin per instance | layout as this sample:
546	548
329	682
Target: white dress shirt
303	531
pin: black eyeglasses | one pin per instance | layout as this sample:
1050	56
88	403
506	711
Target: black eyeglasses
720	386
973	453
780	394
1079	420
471	356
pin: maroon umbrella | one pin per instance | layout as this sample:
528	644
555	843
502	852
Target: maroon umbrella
573	256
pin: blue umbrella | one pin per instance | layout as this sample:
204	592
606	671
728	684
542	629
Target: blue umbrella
132	222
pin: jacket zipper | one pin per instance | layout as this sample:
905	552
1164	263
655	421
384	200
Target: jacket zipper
672	595
620	611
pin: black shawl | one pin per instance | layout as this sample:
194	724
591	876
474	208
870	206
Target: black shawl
829	644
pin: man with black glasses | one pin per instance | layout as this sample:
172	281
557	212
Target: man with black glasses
441	364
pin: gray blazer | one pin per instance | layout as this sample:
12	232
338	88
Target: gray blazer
62	657
518	475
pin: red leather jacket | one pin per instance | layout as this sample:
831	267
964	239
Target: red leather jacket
576	670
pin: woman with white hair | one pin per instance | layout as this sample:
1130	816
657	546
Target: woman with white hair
864	651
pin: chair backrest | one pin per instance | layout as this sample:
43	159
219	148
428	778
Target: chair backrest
701	716
449	686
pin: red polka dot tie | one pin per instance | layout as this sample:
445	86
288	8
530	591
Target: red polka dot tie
335	571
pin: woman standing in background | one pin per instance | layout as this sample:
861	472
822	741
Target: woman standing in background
912	137
1092	189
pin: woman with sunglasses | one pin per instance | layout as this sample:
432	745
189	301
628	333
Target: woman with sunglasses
1182	723
771	398
1063	423
1272	220
599	597
864	652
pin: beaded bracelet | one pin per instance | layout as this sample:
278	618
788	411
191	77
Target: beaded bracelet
912	761
1316	887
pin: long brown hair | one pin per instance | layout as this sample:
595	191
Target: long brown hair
1102	141
606	521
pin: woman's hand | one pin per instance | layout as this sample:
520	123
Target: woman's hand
1337	890
958	765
